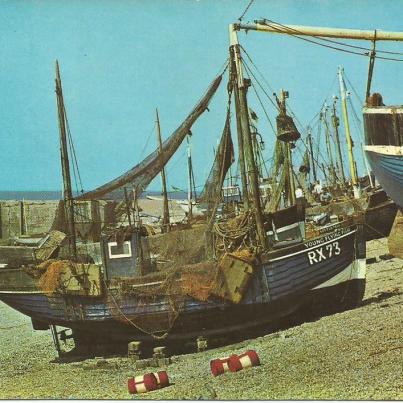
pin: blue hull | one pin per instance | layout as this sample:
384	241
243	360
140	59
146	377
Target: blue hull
388	170
280	285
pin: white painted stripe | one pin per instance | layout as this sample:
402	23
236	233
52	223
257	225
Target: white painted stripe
355	270
386	150
313	247
383	109
245	361
145	284
287	227
10	292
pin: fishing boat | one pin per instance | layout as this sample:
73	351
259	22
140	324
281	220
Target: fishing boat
384	145
349	196
221	276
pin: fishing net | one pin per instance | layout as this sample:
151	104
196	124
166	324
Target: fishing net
143	173
168	289
177	247
52	269
224	158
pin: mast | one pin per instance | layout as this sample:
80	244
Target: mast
241	156
242	86
165	219
353	172
329	148
336	124
64	156
311	153
190	207
288	161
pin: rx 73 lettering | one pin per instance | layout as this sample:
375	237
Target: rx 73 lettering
324	252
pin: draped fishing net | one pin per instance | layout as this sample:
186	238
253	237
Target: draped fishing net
161	297
144	172
52	269
224	158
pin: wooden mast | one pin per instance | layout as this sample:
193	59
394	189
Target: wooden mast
311	153
242	86
190	170
336	124
165	219
329	147
241	156
353	168
288	165
64	155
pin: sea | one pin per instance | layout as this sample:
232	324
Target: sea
57	195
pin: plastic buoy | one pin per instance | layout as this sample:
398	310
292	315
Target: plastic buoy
219	366
245	360
162	379
142	383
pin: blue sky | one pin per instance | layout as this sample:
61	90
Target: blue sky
121	59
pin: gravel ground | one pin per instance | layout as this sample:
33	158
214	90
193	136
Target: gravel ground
355	354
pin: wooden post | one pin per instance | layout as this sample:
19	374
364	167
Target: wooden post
127	206
165	219
64	155
22	218
370	69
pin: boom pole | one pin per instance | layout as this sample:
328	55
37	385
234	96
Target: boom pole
301	30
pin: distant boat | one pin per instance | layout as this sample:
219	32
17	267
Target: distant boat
197	209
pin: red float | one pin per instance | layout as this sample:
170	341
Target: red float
162	379
142	383
219	366
245	360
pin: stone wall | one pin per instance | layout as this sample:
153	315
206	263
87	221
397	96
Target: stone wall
31	217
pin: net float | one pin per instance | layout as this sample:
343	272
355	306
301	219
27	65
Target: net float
242	361
219	366
162	379
142	383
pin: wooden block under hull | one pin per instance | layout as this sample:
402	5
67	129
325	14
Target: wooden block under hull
235	273
395	239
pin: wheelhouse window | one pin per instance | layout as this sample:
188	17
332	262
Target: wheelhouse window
116	250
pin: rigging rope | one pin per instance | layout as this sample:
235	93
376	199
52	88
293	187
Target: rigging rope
264	79
246	10
73	151
147	141
258	97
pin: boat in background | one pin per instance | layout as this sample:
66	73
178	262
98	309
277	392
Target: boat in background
383	127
